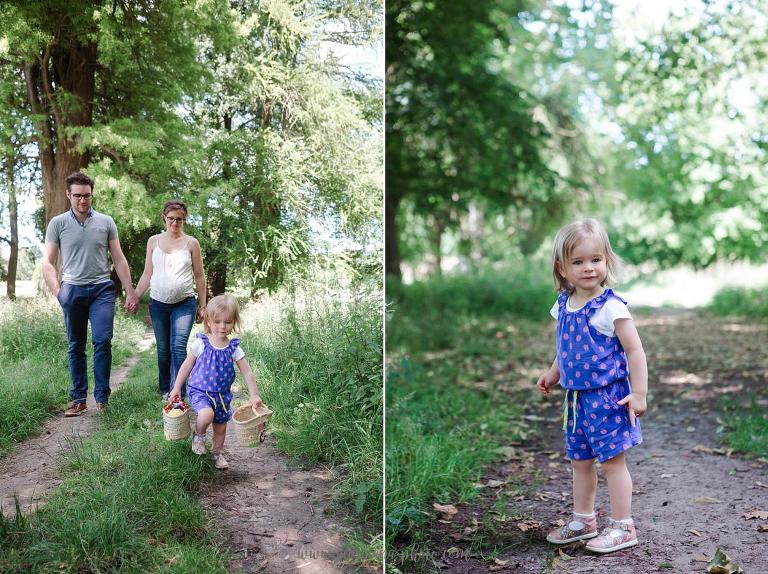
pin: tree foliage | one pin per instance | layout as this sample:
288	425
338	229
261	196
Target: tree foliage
232	106
658	131
469	119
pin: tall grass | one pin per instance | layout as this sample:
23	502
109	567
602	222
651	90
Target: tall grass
318	357
741	301
34	374
127	501
431	314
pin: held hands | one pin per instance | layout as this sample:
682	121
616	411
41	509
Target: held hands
132	302
636	405
547	380
200	315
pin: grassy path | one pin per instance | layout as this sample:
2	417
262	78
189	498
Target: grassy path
30	473
693	494
123	499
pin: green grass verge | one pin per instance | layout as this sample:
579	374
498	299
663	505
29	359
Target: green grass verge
741	301
456	369
34	374
318	358
127	501
746	429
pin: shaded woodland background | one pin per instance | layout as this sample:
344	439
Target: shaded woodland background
506	119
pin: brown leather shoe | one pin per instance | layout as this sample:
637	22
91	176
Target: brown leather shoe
76	410
101	407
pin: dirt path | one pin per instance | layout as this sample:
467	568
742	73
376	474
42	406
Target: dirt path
274	517
688	500
30	472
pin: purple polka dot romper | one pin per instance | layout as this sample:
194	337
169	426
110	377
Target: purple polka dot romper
210	381
594	373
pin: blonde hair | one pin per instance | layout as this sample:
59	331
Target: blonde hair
565	242
223	303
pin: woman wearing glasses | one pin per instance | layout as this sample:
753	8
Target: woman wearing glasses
173	270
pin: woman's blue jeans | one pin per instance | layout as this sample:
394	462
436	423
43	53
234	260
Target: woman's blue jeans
172	324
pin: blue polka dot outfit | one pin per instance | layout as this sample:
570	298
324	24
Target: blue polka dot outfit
594	373
210	381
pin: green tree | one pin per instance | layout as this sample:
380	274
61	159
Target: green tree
479	112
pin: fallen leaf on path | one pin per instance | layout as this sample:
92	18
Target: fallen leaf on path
756	513
526	525
701	558
500	562
666	475
447	511
495	483
565	557
695	532
544	496
691	429
721	563
534	418
707	500
758	483
762	528
508	452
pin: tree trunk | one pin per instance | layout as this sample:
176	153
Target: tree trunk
217	278
391	239
13	213
438	224
69	73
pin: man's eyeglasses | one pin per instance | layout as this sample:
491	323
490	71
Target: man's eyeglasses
176	219
79	196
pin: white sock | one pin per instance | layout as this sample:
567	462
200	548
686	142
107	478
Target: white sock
578	524
626	521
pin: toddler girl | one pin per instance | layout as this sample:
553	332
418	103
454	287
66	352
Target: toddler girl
597	349
211	371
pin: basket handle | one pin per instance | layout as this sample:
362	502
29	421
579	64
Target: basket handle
174	401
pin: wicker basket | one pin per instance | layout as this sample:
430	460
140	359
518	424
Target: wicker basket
176	421
251	424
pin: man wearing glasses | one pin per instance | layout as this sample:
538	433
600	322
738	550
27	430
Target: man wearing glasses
85	237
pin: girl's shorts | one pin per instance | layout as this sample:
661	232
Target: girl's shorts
220	402
602	428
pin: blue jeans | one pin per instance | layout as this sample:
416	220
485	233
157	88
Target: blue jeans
172	324
94	303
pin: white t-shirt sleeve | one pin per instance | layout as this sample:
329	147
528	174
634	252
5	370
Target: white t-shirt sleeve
197	347
553	311
604	319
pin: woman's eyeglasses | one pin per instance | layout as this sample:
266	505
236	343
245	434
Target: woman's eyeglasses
175	219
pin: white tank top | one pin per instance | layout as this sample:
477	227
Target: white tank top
172	278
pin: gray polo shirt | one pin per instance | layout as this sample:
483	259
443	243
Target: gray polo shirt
84	247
